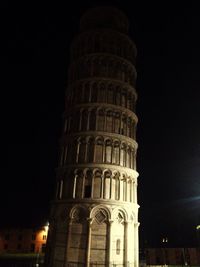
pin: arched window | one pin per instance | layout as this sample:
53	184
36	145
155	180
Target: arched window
79	184
106	190
116	124
124	125
102	93
123	100
103	68
100	120
71	155
76	121
129	127
97	185
128	158
108	151
92	120
133	125
109	119
99	151
94	92
123	70
123	155
86	95
96	66
84	120
129	101
90	150
110	94
82	151
96	43
115	156
118	96
88	185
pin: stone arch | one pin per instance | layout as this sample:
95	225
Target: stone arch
123	154
101	92
78	183
94	92
109	120
90	149
116	152
86	91
78	213
100	119
97	183
92	119
100	207
115	185
107	175
116	121
99	234
119	238
128	157
110	93
124	124
123	214
108	150
77	239
84	120
88	177
99	145
81	151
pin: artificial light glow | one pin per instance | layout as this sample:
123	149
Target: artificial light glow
198	227
46	227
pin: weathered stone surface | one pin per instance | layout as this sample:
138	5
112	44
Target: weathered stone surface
95	213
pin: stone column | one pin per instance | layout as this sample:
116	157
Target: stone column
136	245
126	243
88	242
102	186
68	240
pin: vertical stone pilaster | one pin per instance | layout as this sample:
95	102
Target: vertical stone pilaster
136	244
88	243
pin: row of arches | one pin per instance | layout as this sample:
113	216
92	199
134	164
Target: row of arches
101	92
99	119
102	66
98	150
103	236
103	42
101	213
97	184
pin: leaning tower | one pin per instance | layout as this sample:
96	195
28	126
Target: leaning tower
94	216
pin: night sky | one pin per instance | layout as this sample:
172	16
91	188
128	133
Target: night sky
35	62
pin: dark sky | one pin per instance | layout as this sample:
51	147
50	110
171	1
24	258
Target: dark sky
36	56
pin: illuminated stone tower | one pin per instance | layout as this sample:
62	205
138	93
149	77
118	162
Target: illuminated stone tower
94	217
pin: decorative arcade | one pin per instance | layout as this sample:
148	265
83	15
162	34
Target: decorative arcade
94	216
